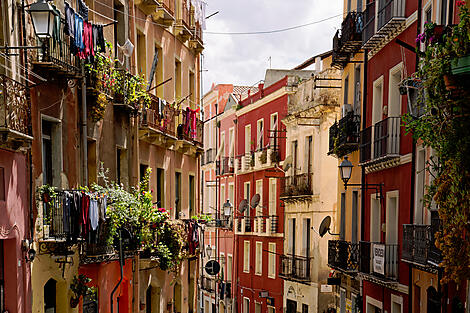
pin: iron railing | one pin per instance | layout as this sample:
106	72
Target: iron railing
228	165
344	135
388	10
208	156
387	137
296	185
343	255
369	22
419	245
365	144
350	39
169	5
14	106
159	116
208	284
294	267
379	260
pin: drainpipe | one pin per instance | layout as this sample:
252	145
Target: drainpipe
84	130
121	263
363	171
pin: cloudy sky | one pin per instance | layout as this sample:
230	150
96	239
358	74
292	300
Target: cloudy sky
243	59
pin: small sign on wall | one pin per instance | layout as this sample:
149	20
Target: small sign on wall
378	255
326	288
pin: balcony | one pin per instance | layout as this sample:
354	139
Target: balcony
227	166
183	22
349	41
378	261
165	13
386	141
380	25
343	255
146	6
262	225
344	135
196	43
15	119
208	156
293	267
225	290
419	246
57	58
245	162
157	123
207	284
299	185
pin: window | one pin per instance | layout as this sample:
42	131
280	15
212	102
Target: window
247	196
178	199
391	229
359	6
246	305
229	267
354	217
160	187
357	89
192	195
304	308
272	260
158	78
257	307
291	237
272	196
420	185
308	154
141	55
271	309
394	97
259	135
377	101
375	221
428	14
397	303
231	193
259	258
273	129
119	27
231	134
222	196
246	256
346	86
47	146
342	229
306	237
178	73
121	166
247	139
222	266
443	16
259	190
294	156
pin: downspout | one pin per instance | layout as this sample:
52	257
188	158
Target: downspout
413	162
364	124
121	261
84	130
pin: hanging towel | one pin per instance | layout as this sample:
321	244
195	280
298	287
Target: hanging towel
94	215
84	215
100	40
87	41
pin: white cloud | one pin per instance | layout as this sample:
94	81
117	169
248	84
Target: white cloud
243	59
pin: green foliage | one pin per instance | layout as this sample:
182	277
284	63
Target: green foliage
202	217
79	286
445	128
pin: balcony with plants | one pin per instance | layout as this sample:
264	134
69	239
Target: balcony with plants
157	122
381	23
348	40
380	142
164	13
15	115
344	135
296	186
343	256
295	267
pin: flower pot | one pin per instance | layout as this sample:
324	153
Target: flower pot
74	302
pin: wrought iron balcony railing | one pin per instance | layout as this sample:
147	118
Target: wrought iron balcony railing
344	135
208	156
15	118
389	17
191	129
349	41
208	284
419	245
293	267
343	255
379	260
386	142
159	117
296	185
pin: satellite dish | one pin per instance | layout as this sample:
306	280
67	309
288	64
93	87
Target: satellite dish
325	226
255	201
287	163
243	205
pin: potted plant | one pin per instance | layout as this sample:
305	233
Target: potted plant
263	157
46	193
79	288
274	156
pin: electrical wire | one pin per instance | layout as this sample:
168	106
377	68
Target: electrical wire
275	30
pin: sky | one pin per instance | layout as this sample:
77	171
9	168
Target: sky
243	59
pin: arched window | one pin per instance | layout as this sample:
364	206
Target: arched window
50	296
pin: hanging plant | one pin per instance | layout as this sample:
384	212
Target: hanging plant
97	108
80	288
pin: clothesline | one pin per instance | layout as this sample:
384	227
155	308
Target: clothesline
106	17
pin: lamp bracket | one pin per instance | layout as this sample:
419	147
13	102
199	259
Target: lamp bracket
377	187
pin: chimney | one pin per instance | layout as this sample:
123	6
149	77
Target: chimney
318	64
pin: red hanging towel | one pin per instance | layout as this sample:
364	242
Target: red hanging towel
87	41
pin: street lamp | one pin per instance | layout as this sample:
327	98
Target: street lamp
209	251
345	170
227	208
43	16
